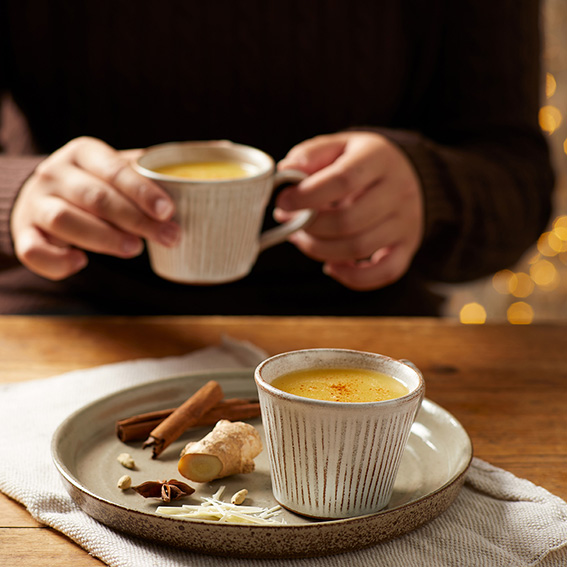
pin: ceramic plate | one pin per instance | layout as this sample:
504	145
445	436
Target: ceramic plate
85	450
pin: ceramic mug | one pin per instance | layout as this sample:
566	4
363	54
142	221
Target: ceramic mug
220	220
335	459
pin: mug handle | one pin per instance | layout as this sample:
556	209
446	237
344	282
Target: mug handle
279	233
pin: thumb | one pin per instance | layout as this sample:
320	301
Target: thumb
314	154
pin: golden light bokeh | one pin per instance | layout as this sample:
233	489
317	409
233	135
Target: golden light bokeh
550	85
520	313
545	275
524	285
504	281
472	314
550	118
544	247
561	233
534	288
542	291
556	241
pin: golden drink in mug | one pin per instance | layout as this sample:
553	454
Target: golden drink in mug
207	170
345	385
220	216
335	459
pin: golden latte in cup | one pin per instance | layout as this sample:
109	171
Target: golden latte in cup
341	385
336	424
221	191
207	170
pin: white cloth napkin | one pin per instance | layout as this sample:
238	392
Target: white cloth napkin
498	520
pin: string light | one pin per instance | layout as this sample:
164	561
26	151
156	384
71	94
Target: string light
544	279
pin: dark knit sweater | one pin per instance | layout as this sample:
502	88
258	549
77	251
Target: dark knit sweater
455	84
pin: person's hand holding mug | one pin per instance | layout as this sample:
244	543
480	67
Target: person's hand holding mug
86	197
370	207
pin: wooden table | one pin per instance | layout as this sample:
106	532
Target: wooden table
506	384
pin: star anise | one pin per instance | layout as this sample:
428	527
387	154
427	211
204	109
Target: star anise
166	490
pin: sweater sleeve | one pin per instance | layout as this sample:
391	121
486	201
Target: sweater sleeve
14	170
481	157
13	173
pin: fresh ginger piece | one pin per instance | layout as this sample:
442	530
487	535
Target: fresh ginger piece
200	468
230	448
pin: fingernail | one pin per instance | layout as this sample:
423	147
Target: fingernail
280	215
293	162
132	246
163	208
169	234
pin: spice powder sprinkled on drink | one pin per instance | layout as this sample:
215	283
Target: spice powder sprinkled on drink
352	385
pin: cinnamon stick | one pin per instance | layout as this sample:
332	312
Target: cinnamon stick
185	416
139	427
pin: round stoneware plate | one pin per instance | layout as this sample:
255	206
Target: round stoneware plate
85	450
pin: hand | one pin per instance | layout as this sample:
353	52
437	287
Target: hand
86	197
369	202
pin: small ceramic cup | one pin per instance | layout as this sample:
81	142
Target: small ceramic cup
335	459
220	220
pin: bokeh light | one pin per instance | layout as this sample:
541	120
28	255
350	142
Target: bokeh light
550	118
543	245
544	274
520	313
535	288
550	85
524	285
472	314
560	231
504	281
556	242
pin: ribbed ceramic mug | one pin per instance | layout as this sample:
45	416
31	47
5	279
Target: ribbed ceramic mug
335	459
220	220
